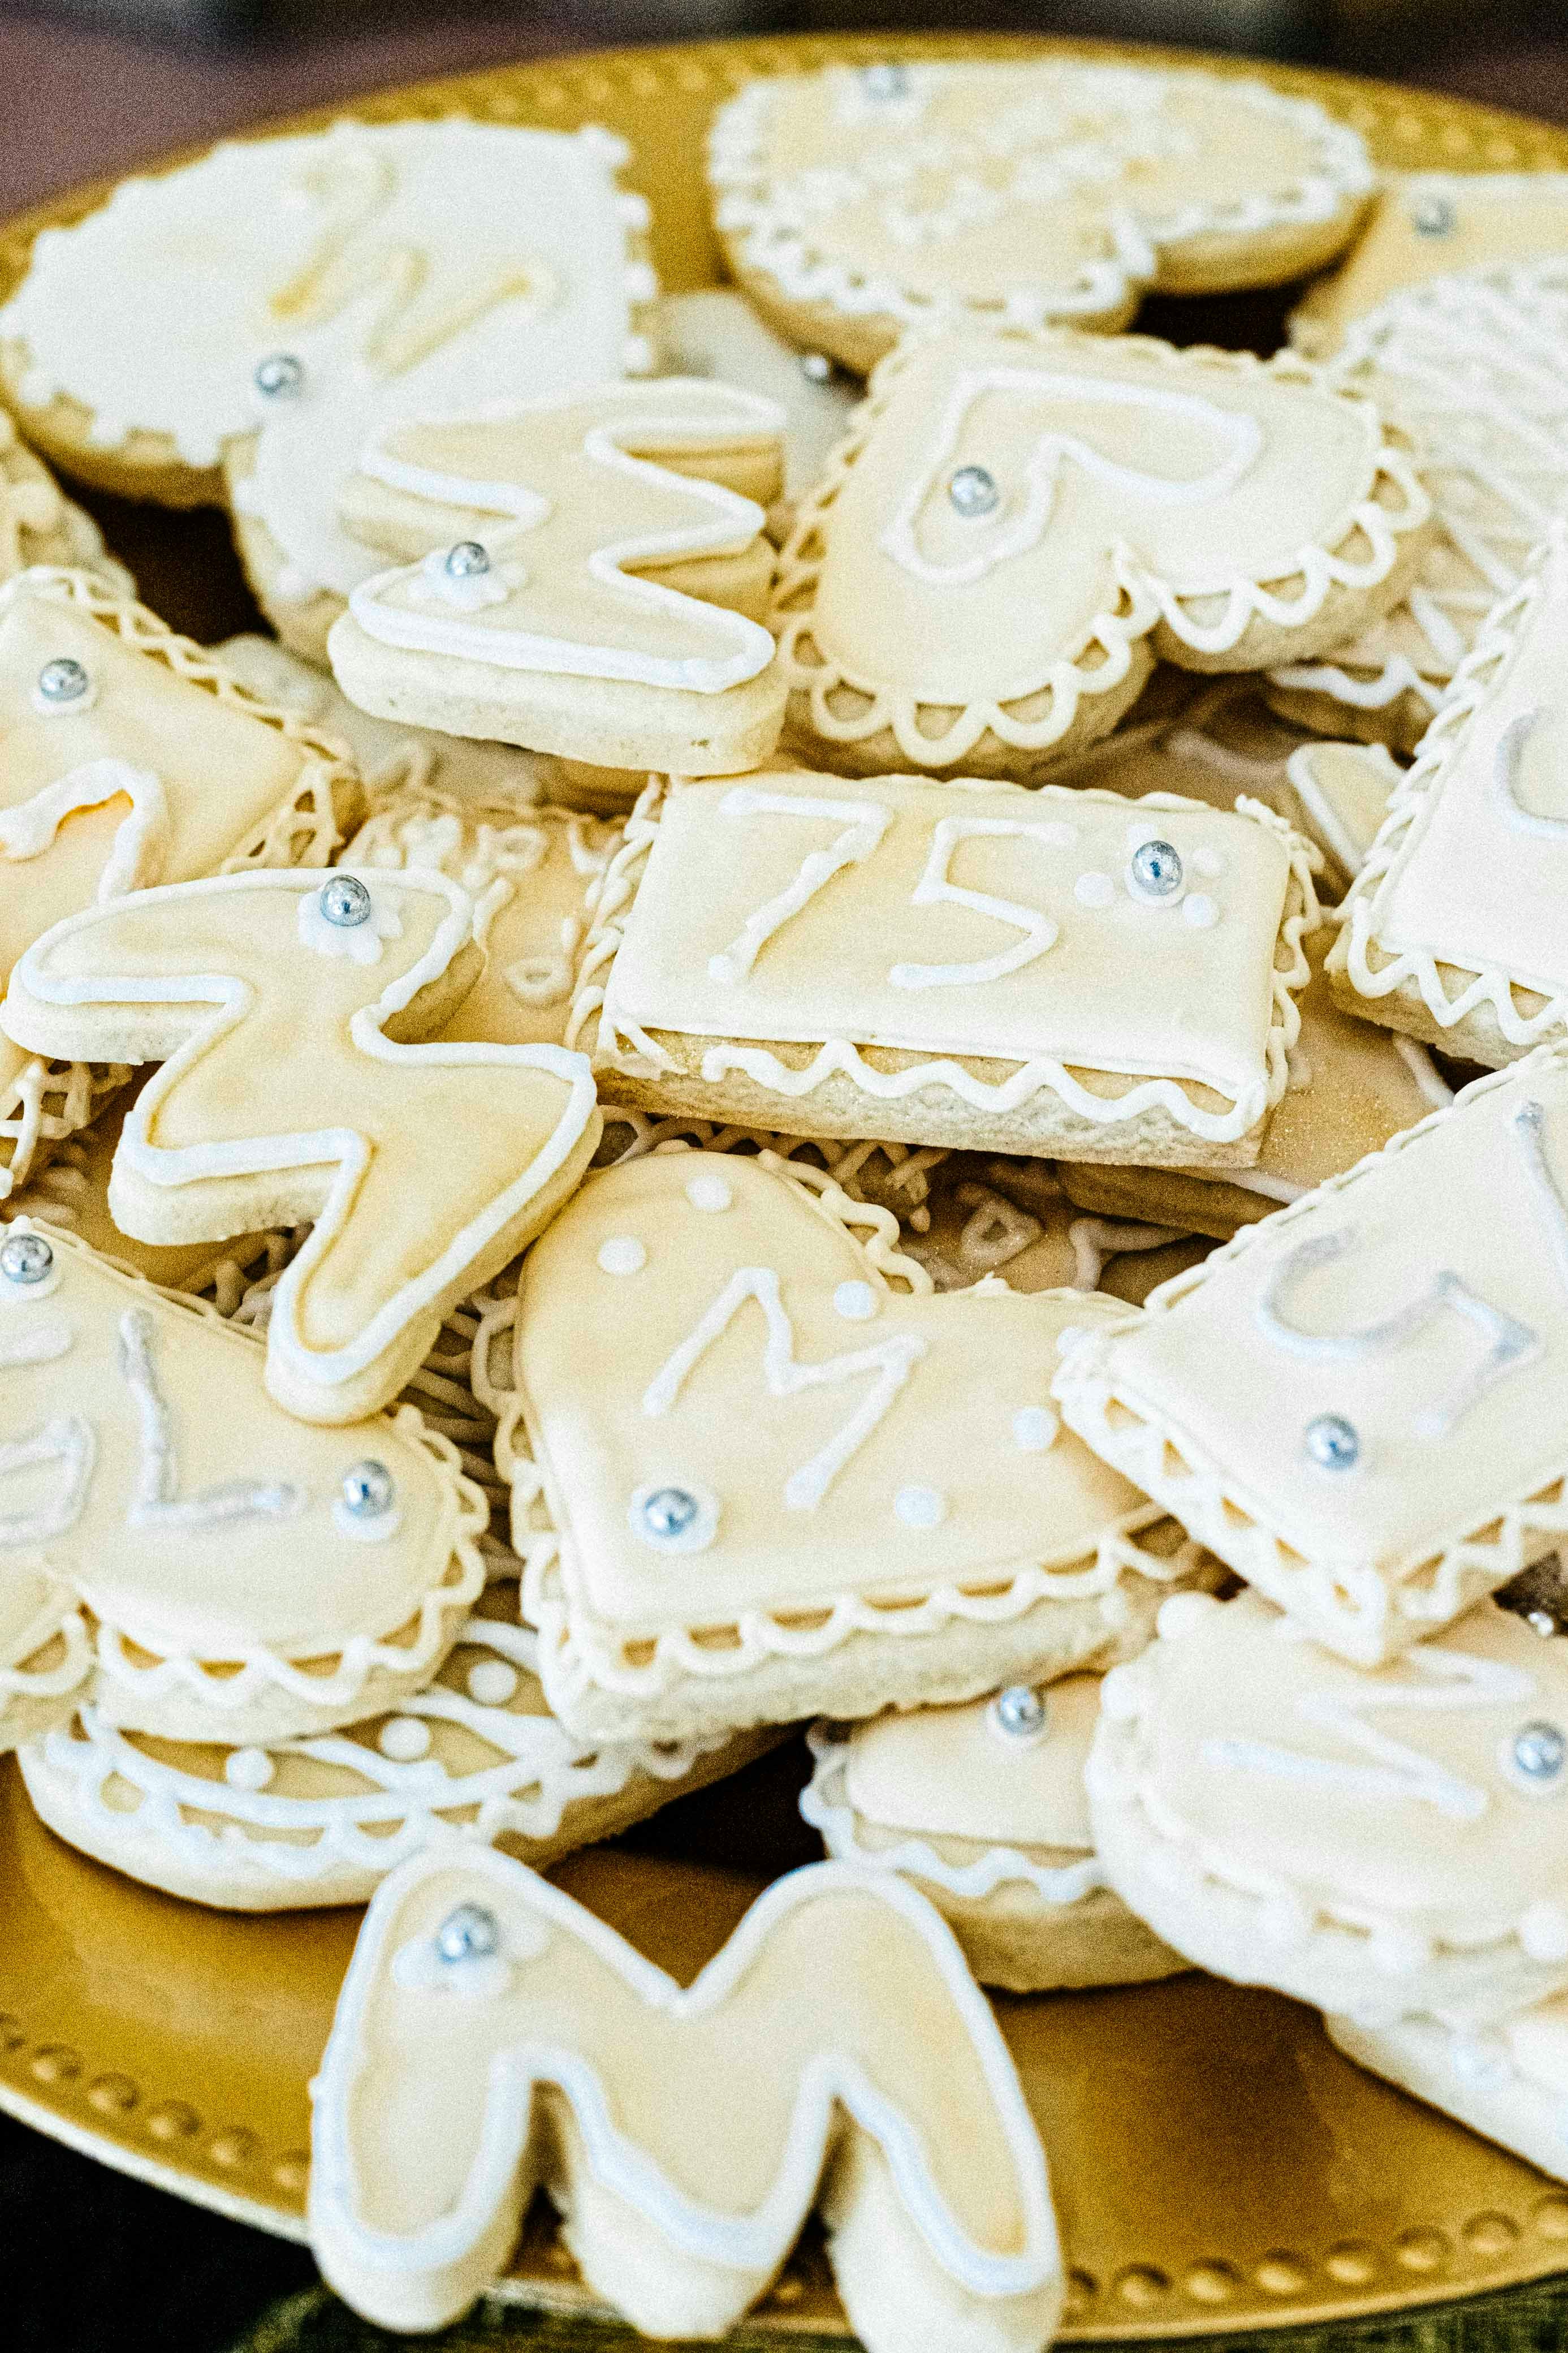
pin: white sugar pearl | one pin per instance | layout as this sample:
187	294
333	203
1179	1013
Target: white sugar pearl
248	1768
405	1739
1094	889
920	1507
1035	1430
709	1191
856	1301
623	1254
1183	1614
1207	863
1200	911
492	1683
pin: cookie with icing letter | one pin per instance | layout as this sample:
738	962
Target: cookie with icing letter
856	203
760	1469
1378	1845
1357	1402
1349	1088
39	525
1471	369
322	1819
589	578
951	963
1017	524
984	1809
246	1576
295	1014
129	757
328	270
1508	2082
494	2038
1427	225
1453	932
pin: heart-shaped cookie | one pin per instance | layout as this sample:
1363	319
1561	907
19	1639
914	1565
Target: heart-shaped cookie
768	1471
248	1577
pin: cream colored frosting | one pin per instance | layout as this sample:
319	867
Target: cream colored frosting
847	1981
287	1099
1423	1299
1426	225
714	331
574	499
949	1772
953	919
695	1321
46	1653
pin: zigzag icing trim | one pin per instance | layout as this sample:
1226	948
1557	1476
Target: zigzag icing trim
932	735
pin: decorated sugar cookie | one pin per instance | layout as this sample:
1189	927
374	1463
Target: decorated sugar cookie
1426	225
37	526
889	2101
1014	1219
282	1005
890	1175
1455	928
856	203
476	1755
745	1428
1048	972
1017	525
1509	2081
247	1577
1378	1845
1349	1089
1472	370
531	874
128	757
1358	1402
588	582
318	269
46	1649
714	331
984	1807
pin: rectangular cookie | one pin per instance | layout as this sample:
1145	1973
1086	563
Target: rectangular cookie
957	964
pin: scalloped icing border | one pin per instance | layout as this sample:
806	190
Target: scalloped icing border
610	910
1347	1608
762	239
577	1656
1145	602
1453	992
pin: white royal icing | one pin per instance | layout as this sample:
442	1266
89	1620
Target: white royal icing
28	827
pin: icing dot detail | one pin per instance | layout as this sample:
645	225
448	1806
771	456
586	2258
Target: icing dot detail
1201	911
491	1682
248	1768
709	1191
1433	217
1208	863
856	1301
1094	889
816	367
920	1507
403	1739
623	1254
1544	1932
1035	1428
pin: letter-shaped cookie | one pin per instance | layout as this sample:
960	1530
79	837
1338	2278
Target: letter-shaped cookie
1358	1402
280	1003
128	757
247	1577
492	2037
1018	525
1456	931
582	561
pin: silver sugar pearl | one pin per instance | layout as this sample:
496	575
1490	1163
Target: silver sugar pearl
973	492
669	1511
467	560
368	1490
1433	216
345	902
468	1934
1019	1712
885	81
25	1259
1539	1751
816	367
1154	869
279	376
1331	1442
62	682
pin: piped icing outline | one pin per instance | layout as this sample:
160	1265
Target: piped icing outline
931	735
1433	1589
963	1076
765	237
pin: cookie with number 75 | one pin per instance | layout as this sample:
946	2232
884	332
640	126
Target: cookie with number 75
1358	1403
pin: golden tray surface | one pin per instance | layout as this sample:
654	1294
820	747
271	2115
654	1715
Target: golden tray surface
1218	2165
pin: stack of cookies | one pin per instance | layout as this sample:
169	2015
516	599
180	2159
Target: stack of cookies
612	1144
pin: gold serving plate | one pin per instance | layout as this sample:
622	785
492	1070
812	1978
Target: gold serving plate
1219	2167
